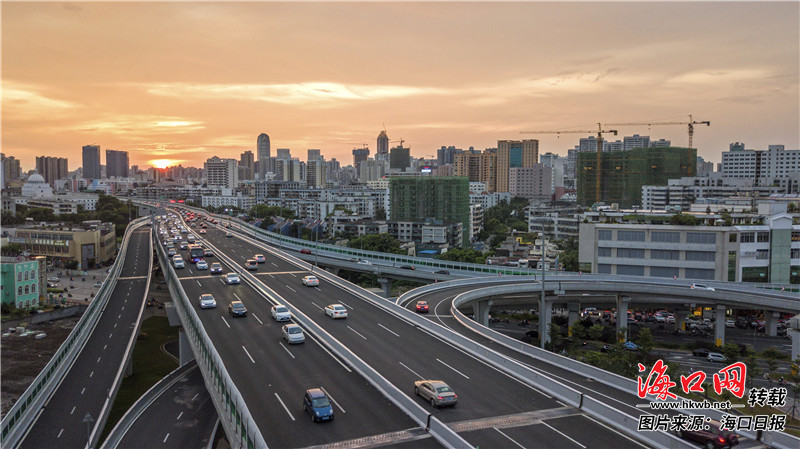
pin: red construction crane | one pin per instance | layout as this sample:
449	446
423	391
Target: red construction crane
690	123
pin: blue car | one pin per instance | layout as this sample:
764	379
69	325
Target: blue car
631	346
317	404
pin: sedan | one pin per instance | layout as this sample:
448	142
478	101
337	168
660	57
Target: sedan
702	287
336	311
711	436
251	264
202	265
305	251
216	267
207	301
208	253
436	392
310	281
364	262
184	245
422	306
228	234
178	262
281	313
259	258
407	267
293	333
716	357
231	278
730	323
237	308
630	346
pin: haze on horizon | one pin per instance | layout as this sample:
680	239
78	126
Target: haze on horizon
184	81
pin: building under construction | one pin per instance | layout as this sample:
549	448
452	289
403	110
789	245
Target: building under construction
623	173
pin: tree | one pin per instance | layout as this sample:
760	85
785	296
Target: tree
463	255
595	332
753	371
731	352
380	214
578	331
12	249
684	220
645	342
383	243
556	340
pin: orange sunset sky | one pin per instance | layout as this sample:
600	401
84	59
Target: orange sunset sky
183	81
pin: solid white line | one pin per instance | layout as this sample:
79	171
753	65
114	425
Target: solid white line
254	316
563	434
237	297
248	354
388	330
406	367
290	288
363	336
510	439
342	303
287	350
179	416
614	430
284	406
59	433
73	411
226	321
165	438
445	364
332	399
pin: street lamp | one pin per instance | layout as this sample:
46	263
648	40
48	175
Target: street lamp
542	328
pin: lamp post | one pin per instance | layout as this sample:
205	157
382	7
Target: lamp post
542	315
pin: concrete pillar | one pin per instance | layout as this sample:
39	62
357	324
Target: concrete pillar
332	270
771	323
680	319
480	309
794	334
573	313
719	326
386	285
622	314
184	348
545	316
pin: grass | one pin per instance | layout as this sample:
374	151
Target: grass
149	366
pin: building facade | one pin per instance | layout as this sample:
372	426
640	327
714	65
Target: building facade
478	167
91	162
52	168
117	164
23	281
222	172
92	244
399	158
427	198
514	153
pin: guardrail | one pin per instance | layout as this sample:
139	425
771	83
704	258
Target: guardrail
22	414
233	413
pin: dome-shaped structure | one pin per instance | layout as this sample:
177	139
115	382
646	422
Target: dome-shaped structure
36	178
36	187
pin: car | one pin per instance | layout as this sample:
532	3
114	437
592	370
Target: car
310	281
730	323
178	262
700	352
441	272
203	231
660	318
98	284
207	301
208	253
364	262
336	311
260	258
251	264
317	404
630	346
305	251
407	267
438	393
422	306
171	252
190	239
711	436
228	234
237	308
280	313
232	278
202	265
293	333
716	357
702	287
184	245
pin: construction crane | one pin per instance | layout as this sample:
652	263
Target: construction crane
600	131
400	140
690	123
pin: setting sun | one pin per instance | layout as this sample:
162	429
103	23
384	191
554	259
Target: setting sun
163	163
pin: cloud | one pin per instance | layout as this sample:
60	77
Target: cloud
137	125
27	102
715	77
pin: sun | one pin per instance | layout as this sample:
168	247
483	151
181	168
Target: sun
163	163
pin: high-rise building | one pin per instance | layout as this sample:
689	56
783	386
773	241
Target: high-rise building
313	154
371	170
625	172
704	168
263	153
284	153
383	143
117	164
316	172
52	168
477	167
222	172
445	199
399	158
533	183
514	153
446	155
247	165
11	169
359	155
91	162
765	166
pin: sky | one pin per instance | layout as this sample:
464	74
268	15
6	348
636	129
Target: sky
179	82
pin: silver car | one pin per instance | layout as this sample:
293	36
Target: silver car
438	393
293	333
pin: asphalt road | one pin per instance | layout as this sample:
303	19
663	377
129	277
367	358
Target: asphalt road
86	385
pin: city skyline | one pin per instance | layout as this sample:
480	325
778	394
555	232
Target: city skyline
186	81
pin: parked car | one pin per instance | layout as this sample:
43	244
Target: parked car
280	313
232	278
716	357
702	287
438	393
237	308
422	306
293	333
207	301
711	436
305	251
336	311
259	258
310	281
251	264
317	404
202	265
700	352
630	346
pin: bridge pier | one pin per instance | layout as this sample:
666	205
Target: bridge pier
573	313
545	316
680	319
794	334
332	270
719	326
771	323
386	285
622	314
480	310
184	349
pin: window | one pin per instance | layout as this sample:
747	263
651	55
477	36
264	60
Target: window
732	238
763	237
663	272
762	254
630	253
795	253
19	276
630	236
699	273
701	256
604	268
19	291
703	238
27	289
630	270
603	252
26	275
796	236
748	237
33	288
33	274
604	234
665	254
664	236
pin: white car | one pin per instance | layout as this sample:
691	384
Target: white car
281	313
207	301
232	278
702	287
178	262
730	323
364	262
310	281
336	311
716	357
293	333
202	265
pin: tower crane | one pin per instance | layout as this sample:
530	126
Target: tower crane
399	140
600	131
690	124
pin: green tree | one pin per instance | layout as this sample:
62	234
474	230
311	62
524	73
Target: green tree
12	249
384	243
578	331
595	332
645	341
380	214
463	255
556	340
731	352
569	253
684	220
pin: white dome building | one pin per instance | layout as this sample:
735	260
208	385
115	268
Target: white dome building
37	187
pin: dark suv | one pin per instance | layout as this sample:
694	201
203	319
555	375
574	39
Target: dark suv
712	437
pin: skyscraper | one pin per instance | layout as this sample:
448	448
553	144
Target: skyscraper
284	153
222	172
247	165
514	153
117	164
11	169
359	155
400	158
314	154
52	168
91	161
480	167
383	143
263	153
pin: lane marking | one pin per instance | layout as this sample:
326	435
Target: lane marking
510	439
274	264
91	374
198	283
179	416
287	350
98	359
284	406
290	288
414	372
115	325
237	297
332	399
248	354
459	372
84	389
165	438
389	330
317	306
356	332
195	396
317	289
346	305
254	316
60	432
73	411
119	316
563	434
226	321
109	335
